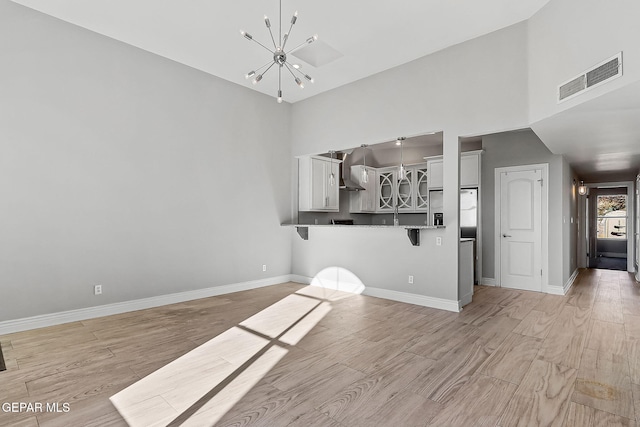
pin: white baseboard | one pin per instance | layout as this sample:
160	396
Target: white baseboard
439	303
52	319
555	290
570	282
488	281
300	279
465	299
562	290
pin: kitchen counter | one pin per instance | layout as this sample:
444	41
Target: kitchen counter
413	231
405	226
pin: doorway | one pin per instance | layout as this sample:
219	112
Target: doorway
609	214
609	232
521	220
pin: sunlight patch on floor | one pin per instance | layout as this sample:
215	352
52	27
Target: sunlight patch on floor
198	388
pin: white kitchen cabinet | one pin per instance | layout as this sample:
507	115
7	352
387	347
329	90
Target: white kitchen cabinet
421	178
405	195
435	168
363	201
469	171
386	182
317	190
411	194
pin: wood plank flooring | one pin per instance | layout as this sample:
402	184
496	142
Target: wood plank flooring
290	355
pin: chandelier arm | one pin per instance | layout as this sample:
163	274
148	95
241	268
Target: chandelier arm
258	69
265	71
288	35
305	42
298	47
280	78
306	76
287	65
263	45
275	46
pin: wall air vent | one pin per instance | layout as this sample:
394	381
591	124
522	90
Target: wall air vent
603	72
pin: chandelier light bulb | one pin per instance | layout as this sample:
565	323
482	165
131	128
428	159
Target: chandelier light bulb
250	74
312	38
246	35
279	97
294	18
296	66
257	79
267	22
308	77
299	82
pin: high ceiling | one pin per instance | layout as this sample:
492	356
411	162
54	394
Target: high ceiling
370	36
600	138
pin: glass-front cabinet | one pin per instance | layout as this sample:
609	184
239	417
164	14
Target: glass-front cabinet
410	194
387	184
422	188
405	196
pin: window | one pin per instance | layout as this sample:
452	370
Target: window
612	217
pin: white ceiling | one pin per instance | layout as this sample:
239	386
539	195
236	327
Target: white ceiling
600	138
372	36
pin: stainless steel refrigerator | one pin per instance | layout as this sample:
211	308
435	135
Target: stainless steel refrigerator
468	216
468	210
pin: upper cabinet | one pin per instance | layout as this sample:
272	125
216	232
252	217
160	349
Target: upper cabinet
435	168
410	194
387	181
318	184
469	171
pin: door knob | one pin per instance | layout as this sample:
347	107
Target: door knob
506	235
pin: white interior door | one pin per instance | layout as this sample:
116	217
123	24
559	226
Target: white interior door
521	229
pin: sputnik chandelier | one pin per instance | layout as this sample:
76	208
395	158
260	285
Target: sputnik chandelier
279	55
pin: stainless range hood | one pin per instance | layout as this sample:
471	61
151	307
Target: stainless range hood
345	182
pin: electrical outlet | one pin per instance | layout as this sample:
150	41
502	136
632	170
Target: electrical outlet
264	267
411	279
97	290
438	241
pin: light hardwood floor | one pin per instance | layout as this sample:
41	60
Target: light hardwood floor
287	355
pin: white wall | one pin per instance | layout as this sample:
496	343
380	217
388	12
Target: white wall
125	169
473	88
567	37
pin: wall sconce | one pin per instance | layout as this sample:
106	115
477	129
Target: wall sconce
582	189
